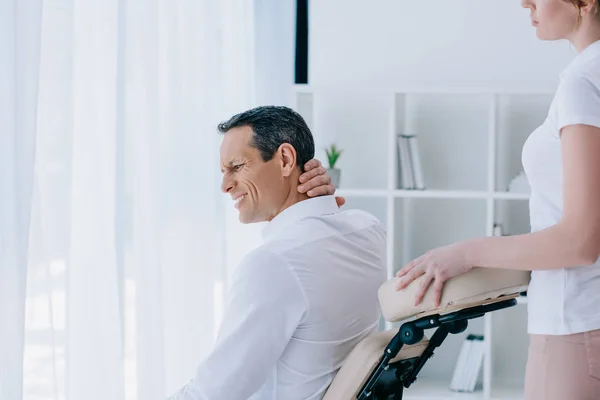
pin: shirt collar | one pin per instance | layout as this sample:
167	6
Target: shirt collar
313	207
589	53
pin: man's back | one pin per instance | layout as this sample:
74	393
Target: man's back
337	259
300	303
297	306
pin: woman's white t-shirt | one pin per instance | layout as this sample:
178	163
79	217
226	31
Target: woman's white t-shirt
562	301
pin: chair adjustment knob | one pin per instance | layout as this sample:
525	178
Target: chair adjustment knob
411	334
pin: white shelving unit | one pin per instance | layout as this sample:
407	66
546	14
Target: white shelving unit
470	145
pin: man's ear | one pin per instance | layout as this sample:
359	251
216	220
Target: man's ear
287	155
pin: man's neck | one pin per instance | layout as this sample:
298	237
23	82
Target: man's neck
292	198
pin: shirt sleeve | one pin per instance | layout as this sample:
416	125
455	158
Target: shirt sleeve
578	102
265	307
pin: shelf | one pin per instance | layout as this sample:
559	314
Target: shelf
334	119
361	193
425	389
511	196
470	147
417	221
507	392
431	194
428	389
517	90
440	194
516	117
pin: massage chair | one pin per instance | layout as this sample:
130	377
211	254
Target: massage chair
385	364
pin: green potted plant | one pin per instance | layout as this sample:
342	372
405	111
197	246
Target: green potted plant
333	155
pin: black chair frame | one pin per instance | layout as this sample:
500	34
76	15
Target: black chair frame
388	380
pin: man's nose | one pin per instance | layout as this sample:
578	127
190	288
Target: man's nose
227	184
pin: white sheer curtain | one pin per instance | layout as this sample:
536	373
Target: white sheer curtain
19	62
124	259
274	38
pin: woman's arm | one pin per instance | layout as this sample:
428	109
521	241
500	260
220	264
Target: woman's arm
575	240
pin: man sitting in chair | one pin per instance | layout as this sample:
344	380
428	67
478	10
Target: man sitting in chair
304	299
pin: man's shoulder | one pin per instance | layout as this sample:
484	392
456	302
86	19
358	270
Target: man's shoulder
260	265
360	216
347	221
319	230
262	257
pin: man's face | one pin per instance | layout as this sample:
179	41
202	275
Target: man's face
258	188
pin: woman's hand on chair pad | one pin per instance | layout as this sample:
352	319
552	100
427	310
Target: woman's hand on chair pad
438	265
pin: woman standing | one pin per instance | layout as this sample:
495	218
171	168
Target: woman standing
561	159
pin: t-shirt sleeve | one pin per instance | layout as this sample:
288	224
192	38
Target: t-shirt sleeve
578	102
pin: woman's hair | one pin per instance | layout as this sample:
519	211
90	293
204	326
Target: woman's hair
581	3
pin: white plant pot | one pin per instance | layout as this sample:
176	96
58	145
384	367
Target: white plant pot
335	174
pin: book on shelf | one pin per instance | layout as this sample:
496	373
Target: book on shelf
409	163
498	229
467	372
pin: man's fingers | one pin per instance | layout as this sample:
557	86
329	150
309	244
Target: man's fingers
423	288
308	176
314	163
320	180
340	201
321	190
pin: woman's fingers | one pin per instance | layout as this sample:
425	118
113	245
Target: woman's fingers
406	280
404	270
437	291
425	283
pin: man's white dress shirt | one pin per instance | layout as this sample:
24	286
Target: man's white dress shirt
298	305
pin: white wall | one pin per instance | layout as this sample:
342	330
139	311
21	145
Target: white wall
275	30
435	42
